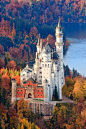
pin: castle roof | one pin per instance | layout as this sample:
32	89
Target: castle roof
59	23
55	56
59	26
32	80
27	69
20	86
38	41
48	48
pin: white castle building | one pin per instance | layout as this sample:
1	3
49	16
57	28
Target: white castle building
47	70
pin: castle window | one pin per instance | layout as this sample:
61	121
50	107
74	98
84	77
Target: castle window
39	80
43	65
40	67
41	95
18	90
18	94
21	94
38	90
48	65
40	76
41	90
40	72
38	95
21	90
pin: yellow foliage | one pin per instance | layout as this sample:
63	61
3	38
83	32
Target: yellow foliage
84	89
64	90
63	111
24	123
22	127
55	111
4	116
2	124
68	126
78	123
77	92
83	113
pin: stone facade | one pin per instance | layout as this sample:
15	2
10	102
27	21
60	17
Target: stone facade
42	107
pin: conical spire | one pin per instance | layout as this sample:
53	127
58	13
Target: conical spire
59	22
38	40
47	39
39	36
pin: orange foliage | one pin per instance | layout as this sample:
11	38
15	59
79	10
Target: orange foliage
1	49
14	52
5	81
17	77
33	32
12	112
3	111
13	117
13	30
11	64
2	62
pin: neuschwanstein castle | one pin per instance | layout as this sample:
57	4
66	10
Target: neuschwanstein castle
47	72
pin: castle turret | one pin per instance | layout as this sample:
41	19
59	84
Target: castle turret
14	86
59	39
59	43
39	45
46	90
59	49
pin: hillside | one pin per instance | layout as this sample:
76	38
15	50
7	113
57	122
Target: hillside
19	31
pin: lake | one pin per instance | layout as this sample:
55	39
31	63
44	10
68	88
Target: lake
76	54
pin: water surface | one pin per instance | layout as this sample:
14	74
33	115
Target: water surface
76	54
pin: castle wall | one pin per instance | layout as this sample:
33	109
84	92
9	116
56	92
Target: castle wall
46	71
20	92
42	107
13	99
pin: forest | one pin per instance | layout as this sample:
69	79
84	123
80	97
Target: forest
20	24
19	115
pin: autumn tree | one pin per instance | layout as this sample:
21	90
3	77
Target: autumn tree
2	62
17	77
3	115
55	94
23	109
1	49
33	32
13	117
11	64
77	91
5	81
13	30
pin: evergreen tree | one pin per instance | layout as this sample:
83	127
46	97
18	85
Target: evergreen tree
55	94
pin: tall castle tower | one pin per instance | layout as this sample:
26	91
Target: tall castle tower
59	49
13	90
39	45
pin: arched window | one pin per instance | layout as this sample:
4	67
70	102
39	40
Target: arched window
45	65
29	95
